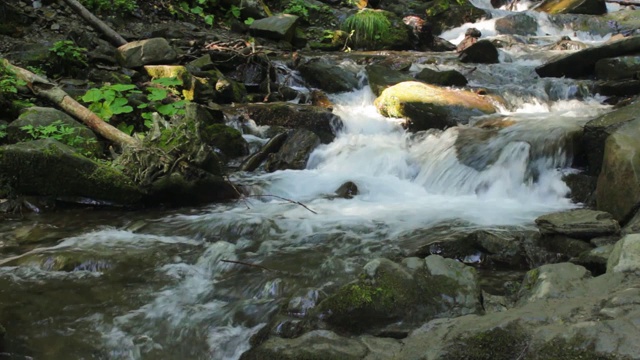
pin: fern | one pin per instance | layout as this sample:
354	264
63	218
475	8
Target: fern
368	26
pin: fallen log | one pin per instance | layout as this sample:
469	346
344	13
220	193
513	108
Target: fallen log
48	90
114	38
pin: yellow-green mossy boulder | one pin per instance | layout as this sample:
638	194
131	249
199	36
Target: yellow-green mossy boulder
589	7
427	106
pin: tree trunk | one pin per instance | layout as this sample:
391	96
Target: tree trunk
52	92
97	24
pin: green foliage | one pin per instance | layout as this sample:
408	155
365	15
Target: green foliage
110	5
9	83
110	100
249	21
300	8
3	131
67	58
199	8
368	26
59	131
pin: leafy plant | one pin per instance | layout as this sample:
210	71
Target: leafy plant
110	100
3	131
368	26
59	131
67	50
300	8
249	21
9	83
199	7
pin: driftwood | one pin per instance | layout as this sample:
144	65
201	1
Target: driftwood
113	37
45	89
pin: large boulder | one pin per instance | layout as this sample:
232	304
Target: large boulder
381	77
277	27
578	223
623	67
427	106
387	292
551	281
597	131
442	78
517	24
446	14
294	152
481	52
582	63
625	257
618	189
49	168
329	75
589	7
294	116
146	52
80	138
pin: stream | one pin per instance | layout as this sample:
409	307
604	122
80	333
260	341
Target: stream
108	284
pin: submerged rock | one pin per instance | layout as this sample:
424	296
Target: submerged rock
347	190
381	77
427	106
294	152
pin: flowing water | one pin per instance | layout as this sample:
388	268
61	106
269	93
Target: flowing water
159	285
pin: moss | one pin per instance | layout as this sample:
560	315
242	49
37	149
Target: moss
447	14
506	343
225	138
577	348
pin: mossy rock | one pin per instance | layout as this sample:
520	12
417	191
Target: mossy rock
49	168
227	139
500	343
448	14
381	77
378	30
427	106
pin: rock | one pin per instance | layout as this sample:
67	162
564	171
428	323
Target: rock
277	27
272	146
482	52
633	225
445	15
467	41
49	168
578	223
81	138
618	189
329	76
560	248
427	106
387	292
597	131
517	24
595	260
318	344
347	190
442	78
294	152
589	7
618	88
227	139
320	98
551	281
567	44
623	67
625	256
381	77
582	188
582	63
317	119
146	52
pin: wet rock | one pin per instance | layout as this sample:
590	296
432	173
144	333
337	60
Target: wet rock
517	24
318	344
347	190
427	106
589	7
319	98
551	281
277	27
294	152
578	223
595	260
329	76
272	146
227	139
482	52
146	52
442	78
81	138
618	88
56	169
623	67
618	189
598	130
633	225
561	248
314	118
625	256
582	63
445	15
582	188
381	77
387	292
422	35
471	37
567	44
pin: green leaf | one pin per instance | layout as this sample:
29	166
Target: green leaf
197	10
166	109
92	95
208	19
249	21
127	129
166	81
156	94
123	87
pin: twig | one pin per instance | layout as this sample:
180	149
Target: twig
285	199
247	264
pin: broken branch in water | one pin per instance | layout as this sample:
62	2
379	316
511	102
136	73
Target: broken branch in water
285	199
